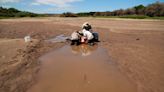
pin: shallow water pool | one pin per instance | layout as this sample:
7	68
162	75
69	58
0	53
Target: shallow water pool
81	68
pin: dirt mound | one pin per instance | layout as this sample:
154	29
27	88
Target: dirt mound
19	63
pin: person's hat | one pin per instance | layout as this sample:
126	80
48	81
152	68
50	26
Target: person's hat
86	25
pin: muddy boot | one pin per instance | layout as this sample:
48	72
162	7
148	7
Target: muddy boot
77	43
72	42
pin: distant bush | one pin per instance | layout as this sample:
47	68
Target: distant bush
25	14
86	14
156	9
12	12
68	14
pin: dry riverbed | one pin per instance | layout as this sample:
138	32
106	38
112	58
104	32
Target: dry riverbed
136	46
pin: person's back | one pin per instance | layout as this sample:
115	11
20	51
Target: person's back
74	36
87	34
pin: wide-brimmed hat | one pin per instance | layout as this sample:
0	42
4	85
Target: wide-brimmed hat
86	25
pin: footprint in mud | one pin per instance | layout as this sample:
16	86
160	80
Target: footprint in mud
80	69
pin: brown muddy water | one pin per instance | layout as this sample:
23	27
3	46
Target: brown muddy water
80	69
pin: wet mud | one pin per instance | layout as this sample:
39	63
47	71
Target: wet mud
81	68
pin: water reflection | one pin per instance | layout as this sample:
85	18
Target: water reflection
84	49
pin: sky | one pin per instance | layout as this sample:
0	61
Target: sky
75	6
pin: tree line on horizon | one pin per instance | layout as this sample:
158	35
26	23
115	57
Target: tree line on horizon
152	10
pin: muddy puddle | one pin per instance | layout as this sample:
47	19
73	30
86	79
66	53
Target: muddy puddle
80	69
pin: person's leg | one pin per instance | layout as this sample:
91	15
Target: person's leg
75	42
72	42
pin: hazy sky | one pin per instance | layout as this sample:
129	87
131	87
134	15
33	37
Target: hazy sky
60	6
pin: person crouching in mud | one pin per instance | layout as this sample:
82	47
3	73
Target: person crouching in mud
75	38
87	33
84	36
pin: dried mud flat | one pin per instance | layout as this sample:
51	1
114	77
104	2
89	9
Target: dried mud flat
137	46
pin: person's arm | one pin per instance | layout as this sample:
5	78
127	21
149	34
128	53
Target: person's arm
79	34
